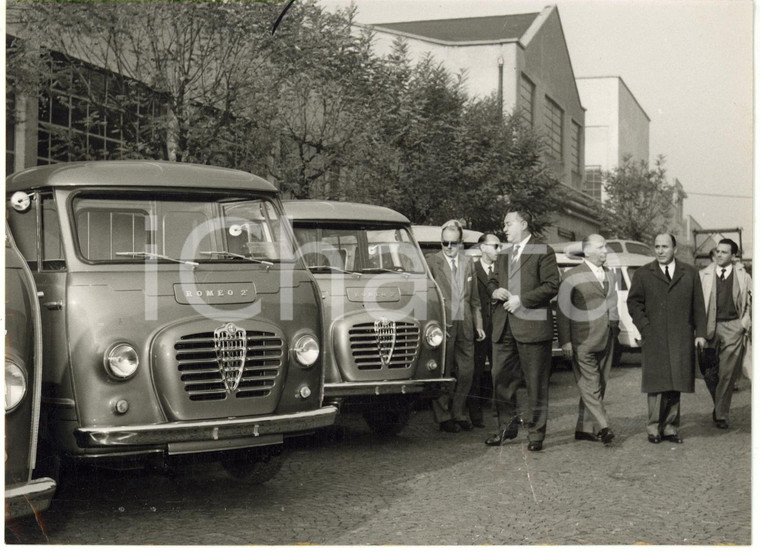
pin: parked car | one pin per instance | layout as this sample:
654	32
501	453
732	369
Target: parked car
383	338
177	319
23	367
622	266
630	246
429	239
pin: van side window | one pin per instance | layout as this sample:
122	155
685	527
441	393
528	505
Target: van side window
24	227
52	248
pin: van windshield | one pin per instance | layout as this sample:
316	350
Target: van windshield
178	228
357	247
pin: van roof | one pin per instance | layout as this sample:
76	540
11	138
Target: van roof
313	209
432	234
162	174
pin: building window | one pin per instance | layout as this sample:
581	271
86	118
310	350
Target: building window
593	183
527	95
553	120
89	113
575	148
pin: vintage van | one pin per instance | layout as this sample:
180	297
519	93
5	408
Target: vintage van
383	340
176	318
23	369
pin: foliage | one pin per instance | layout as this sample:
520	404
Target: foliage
640	200
310	106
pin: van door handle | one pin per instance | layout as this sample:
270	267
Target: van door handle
53	305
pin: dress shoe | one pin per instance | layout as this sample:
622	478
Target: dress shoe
584	436
535	446
721	424
606	435
654	439
504	434
514	425
478	423
675	438
449	426
464	425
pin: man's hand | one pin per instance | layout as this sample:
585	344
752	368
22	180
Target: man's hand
500	294
481	334
700	342
513	304
567	350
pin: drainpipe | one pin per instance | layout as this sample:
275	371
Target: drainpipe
500	61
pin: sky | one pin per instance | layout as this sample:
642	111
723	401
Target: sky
689	64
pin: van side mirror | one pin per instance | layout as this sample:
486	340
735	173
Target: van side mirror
20	201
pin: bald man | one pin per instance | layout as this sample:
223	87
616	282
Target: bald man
587	324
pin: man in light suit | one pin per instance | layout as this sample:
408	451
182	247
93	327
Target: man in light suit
726	289
587	324
524	282
455	276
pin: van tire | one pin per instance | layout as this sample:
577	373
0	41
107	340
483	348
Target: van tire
389	417
255	466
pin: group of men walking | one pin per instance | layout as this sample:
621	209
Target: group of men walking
499	308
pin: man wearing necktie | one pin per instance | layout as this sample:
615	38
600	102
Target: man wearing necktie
455	276
522	287
587	324
666	304
489	250
726	288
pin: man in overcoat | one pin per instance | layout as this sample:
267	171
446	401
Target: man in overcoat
455	276
666	305
524	282
587	327
727	290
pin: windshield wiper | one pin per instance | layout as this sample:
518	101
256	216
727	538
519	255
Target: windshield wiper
149	255
378	269
237	256
330	267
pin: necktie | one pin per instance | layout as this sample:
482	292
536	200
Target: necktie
667	273
515	253
722	273
488	272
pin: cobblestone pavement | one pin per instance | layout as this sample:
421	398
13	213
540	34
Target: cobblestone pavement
423	487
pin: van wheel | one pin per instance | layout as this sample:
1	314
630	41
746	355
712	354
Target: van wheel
254	465
389	417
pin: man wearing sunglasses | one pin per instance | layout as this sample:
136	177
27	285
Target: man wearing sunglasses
455	276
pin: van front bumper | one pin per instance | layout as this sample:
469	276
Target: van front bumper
433	386
28	498
206	430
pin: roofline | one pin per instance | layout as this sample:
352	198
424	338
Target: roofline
134	174
344	211
635	99
439	42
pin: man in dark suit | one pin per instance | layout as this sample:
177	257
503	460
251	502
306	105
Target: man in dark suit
666	304
455	276
525	280
587	324
479	392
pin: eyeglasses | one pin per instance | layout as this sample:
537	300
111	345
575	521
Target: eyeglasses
450	243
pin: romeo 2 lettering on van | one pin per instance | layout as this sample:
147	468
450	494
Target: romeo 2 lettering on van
215	294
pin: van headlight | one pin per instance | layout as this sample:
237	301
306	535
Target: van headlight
15	385
306	350
121	361
434	335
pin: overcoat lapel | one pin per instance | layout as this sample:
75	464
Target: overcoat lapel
677	276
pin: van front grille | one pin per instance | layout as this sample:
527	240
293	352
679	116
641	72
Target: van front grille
200	374
366	351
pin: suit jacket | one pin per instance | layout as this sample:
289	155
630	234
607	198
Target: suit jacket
741	292
669	315
483	295
462	302
585	312
535	278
